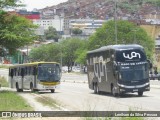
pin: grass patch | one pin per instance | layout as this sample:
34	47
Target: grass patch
11	101
3	82
47	101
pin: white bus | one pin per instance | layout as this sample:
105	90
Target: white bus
35	76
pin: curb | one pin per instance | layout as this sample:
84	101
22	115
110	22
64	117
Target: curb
155	86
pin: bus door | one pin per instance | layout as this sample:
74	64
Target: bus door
11	74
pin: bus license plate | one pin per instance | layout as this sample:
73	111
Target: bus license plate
49	87
135	90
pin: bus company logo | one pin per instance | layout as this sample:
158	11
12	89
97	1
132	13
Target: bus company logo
132	55
100	68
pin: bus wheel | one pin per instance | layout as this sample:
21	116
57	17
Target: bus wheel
113	91
95	88
17	87
20	90
140	93
52	90
31	87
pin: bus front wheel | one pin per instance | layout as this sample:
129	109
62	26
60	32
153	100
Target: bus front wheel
96	89
52	90
140	93
17	88
31	87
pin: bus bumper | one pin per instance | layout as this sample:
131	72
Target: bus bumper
133	89
45	87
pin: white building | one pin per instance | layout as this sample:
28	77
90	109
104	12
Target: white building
57	23
88	26
153	21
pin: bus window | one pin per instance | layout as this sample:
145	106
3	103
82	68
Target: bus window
25	70
50	72
19	71
22	72
29	70
15	70
12	72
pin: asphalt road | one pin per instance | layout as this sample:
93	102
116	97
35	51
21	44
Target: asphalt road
77	96
74	94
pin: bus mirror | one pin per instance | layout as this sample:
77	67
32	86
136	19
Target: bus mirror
112	57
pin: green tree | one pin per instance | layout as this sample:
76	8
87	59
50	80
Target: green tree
154	2
69	48
70	51
51	33
15	31
54	52
10	4
76	31
50	52
128	33
39	53
81	53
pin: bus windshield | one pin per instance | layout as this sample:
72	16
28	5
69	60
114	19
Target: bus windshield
131	55
134	73
48	72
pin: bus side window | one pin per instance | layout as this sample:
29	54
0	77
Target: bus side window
12	72
29	70
22	72
19	71
25	70
15	70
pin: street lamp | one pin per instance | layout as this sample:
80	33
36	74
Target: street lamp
60	40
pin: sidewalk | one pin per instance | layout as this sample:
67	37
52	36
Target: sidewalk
155	86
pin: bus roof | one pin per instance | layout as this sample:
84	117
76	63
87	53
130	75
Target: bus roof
117	47
31	64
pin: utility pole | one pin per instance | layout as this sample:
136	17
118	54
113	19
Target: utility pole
115	19
59	41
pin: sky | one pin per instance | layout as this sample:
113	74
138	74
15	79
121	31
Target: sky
31	4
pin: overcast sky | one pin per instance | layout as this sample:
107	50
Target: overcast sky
31	4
